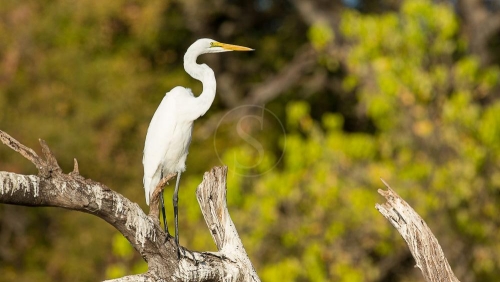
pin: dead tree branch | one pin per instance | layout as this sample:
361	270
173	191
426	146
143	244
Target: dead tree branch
422	243
212	200
51	187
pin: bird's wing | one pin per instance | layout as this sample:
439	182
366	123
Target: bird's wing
157	139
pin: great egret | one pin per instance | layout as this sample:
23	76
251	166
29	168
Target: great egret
169	133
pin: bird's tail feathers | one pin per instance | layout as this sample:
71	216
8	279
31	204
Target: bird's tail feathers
146	180
150	185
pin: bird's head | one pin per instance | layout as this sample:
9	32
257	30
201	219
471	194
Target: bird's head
205	45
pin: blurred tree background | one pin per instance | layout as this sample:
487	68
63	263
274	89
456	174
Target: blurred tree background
336	95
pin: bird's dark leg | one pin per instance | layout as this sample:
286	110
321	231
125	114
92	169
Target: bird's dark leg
162	200
176	212
165	227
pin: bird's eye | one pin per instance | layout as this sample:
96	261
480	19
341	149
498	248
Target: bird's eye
212	44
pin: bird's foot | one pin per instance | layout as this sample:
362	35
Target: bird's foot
181	253
192	257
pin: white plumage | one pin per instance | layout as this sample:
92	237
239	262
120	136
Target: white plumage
168	138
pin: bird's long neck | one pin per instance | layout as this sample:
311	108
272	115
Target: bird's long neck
204	74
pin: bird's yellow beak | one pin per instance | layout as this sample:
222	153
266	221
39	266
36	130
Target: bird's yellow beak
230	47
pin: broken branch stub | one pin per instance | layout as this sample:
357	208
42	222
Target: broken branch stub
26	152
211	195
422	243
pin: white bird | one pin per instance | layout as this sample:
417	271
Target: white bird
169	133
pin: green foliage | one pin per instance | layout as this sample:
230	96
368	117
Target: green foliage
126	262
303	208
121	247
434	142
320	34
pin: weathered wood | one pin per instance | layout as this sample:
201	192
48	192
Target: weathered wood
71	191
211	194
422	243
133	278
26	152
